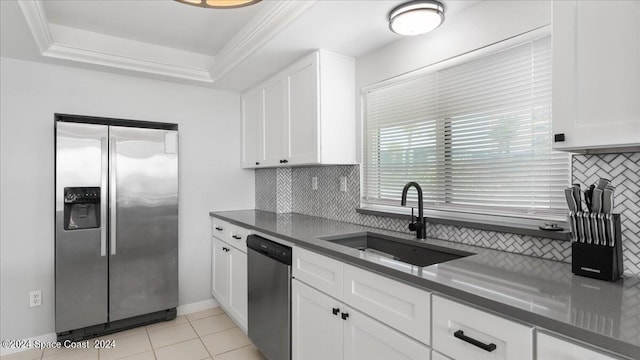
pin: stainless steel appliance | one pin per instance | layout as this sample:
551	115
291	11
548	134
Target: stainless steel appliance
116	237
269	281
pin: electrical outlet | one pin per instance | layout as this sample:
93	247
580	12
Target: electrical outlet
343	183
314	183
35	298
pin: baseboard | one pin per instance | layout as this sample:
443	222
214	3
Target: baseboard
182	310
51	337
197	306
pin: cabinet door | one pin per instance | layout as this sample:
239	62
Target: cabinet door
220	271
303	120
396	304
464	332
274	125
552	348
316	331
252	117
365	338
596	73
238	286
321	272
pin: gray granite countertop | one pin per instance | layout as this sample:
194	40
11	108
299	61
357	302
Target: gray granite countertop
540	292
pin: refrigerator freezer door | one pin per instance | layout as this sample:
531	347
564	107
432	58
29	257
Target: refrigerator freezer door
80	253
143	269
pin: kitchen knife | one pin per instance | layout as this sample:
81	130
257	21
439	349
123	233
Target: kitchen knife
607	209
577	196
574	226
571	203
596	200
603	183
588	196
596	206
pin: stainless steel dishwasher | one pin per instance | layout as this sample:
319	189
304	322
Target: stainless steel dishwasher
269	281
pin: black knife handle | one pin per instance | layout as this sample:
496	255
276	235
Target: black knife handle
486	347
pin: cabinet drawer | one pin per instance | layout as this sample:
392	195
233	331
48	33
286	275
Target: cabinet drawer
553	348
237	237
401	306
457	326
321	272
219	228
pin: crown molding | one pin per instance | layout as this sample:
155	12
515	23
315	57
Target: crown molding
253	36
33	12
60	51
262	28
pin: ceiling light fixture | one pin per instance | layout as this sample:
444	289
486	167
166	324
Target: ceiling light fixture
219	4
416	17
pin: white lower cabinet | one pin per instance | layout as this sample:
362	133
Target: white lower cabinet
463	332
552	348
238	290
401	306
325	328
220	271
317	333
437	356
229	280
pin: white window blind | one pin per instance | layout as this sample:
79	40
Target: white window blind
476	136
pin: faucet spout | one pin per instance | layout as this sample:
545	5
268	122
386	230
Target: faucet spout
419	226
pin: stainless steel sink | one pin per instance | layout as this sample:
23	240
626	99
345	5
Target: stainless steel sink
408	251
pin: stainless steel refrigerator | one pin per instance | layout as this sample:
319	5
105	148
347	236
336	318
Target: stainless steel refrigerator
116	224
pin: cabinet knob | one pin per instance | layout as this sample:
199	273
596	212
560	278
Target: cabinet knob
237	237
284	161
344	316
335	311
558	137
218	228
257	163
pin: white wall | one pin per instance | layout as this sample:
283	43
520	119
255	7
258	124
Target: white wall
210	174
478	26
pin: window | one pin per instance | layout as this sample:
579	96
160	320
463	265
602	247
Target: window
475	135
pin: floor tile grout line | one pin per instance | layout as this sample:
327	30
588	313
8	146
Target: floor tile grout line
200	338
153	351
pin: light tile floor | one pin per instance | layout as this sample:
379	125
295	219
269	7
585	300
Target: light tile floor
208	334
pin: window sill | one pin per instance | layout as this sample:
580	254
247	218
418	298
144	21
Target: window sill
482	222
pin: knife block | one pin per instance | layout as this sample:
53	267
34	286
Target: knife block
599	261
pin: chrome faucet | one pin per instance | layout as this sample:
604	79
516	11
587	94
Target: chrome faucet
419	226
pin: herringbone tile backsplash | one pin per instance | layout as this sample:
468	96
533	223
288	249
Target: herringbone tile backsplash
295	195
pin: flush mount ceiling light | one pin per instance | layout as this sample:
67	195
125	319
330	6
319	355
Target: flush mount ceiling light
219	4
416	17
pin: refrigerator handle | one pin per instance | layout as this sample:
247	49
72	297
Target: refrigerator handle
103	195
112	195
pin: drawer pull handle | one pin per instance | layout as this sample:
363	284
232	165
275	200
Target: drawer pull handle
218	228
237	237
344	316
335	311
486	347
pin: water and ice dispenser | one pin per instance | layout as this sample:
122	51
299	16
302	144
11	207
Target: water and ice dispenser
81	208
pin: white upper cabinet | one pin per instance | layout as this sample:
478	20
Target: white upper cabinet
251	121
302	125
272	131
596	75
304	115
